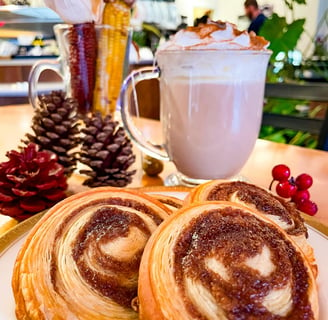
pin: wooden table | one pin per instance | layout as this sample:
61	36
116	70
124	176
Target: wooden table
15	122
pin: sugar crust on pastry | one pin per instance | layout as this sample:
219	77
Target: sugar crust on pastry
81	260
221	260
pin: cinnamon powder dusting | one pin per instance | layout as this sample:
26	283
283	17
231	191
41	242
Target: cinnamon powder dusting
232	236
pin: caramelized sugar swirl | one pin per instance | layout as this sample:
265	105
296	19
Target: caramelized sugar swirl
82	260
242	263
97	253
225	261
253	196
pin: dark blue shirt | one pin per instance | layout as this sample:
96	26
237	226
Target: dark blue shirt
257	23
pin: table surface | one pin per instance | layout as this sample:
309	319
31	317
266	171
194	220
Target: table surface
15	121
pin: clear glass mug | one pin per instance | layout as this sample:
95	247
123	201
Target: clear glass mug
85	64
211	110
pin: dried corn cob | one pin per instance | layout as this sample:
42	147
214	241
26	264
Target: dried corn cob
82	55
111	55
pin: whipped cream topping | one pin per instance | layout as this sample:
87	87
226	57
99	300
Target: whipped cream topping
215	36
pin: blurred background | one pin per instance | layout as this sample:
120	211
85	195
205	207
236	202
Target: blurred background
295	109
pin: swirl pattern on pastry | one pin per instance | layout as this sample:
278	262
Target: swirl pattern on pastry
250	195
172	203
81	261
220	260
278	210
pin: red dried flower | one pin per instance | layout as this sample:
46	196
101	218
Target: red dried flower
30	182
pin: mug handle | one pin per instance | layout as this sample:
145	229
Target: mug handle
128	88
35	74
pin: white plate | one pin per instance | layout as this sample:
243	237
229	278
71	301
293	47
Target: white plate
7	305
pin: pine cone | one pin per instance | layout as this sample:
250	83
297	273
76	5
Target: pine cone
107	151
30	182
56	129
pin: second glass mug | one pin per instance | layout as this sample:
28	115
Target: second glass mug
81	52
211	110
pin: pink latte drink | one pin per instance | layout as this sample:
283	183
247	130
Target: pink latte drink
212	86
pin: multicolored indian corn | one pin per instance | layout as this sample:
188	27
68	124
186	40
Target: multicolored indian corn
82	55
112	43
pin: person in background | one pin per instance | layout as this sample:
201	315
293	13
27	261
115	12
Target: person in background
254	13
203	20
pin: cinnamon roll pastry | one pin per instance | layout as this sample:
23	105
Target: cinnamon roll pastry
172	203
81	261
277	209
221	260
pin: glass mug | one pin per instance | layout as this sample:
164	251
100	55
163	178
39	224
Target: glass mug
85	64
211	110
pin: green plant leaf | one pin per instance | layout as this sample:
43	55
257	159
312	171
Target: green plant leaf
289	4
273	27
277	137
282	36
283	106
266	131
312	143
151	28
289	133
298	139
293	33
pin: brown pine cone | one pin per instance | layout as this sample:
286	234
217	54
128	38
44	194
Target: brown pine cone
107	151
55	128
30	182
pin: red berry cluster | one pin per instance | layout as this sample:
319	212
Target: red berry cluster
296	189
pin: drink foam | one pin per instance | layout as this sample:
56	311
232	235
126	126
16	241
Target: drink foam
215	36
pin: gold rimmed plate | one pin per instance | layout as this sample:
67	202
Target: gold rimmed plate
9	237
11	242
